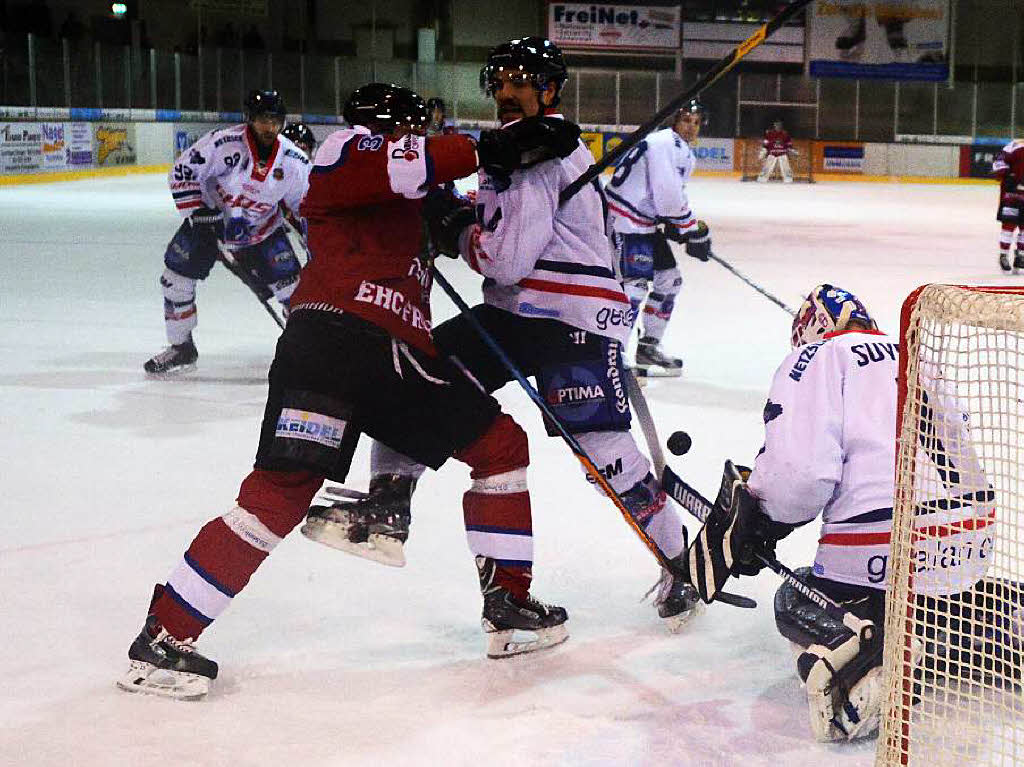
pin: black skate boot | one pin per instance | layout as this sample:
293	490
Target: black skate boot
375	526
1018	261
675	597
652	362
179	358
504	614
895	35
1004	262
162	665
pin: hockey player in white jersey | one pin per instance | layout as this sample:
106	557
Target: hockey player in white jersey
648	190
829	449
234	187
553	303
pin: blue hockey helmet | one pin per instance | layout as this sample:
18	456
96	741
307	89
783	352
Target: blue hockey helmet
827	309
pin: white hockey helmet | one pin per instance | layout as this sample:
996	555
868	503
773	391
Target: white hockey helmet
827	309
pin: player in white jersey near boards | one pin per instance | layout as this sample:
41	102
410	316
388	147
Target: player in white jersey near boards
648	191
829	449
553	303
234	187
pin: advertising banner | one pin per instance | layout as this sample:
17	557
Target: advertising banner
715	153
595	143
638	27
54	148
21	147
113	144
976	160
79	143
884	39
612	140
842	158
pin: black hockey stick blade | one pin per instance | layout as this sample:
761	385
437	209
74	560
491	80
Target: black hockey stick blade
736	600
723	66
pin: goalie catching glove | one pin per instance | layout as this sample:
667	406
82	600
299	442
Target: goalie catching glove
733	534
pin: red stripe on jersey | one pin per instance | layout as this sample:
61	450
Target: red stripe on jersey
854	539
626	214
187	205
546	286
955	528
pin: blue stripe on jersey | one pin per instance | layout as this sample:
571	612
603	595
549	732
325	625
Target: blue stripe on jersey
629	206
496	529
193	193
514	562
169	591
878	515
207	577
565	268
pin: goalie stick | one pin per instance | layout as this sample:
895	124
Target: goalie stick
227	258
701	508
724	65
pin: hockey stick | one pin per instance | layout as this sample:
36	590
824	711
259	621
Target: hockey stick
754	285
701	508
584	458
227	258
713	75
650	431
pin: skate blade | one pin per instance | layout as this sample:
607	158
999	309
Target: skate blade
676	623
386	552
502	644
337	491
658	372
147	679
173	372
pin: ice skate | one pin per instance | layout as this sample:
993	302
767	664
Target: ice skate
165	666
1018	262
177	358
374	527
652	362
505	614
895	35
851	43
675	598
1004	262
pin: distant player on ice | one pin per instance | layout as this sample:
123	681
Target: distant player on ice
553	303
648	191
776	148
829	449
302	136
234	187
1008	167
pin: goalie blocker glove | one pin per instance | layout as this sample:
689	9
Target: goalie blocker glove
733	534
525	143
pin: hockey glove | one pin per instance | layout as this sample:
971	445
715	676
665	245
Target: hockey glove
735	531
525	143
447	216
698	242
207	228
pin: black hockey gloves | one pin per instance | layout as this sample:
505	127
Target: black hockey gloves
525	143
735	530
207	228
698	242
447	216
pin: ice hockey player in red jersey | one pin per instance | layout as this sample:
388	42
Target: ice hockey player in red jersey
234	187
553	303
357	356
775	151
1008	167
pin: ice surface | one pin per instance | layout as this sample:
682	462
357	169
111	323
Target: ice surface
327	659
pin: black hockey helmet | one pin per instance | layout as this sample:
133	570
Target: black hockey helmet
536	58
301	135
259	103
694	107
382	107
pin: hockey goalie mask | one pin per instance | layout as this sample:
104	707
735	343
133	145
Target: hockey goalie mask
827	309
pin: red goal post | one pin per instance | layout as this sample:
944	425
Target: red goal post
954	633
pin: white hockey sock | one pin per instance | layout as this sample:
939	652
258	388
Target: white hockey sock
661	301
180	313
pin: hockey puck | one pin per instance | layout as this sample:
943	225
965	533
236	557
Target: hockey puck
679	443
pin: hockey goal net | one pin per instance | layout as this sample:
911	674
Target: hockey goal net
800	160
954	630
